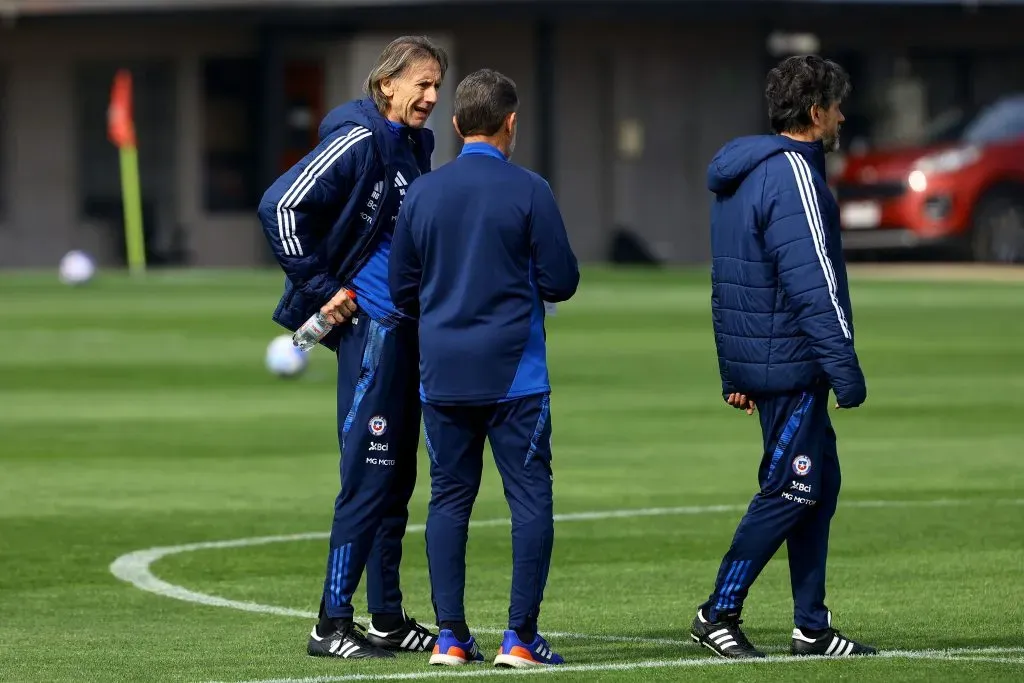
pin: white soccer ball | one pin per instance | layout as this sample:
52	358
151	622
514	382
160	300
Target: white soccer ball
284	359
76	268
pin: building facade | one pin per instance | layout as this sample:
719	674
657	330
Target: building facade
623	106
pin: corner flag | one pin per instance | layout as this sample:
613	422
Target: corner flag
121	132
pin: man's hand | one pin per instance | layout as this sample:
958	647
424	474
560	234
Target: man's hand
838	407
741	402
341	307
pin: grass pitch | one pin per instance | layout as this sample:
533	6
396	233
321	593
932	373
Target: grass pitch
138	414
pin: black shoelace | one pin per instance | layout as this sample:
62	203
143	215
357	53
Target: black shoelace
738	635
411	623
357	634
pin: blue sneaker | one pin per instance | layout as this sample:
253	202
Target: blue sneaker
517	654
449	651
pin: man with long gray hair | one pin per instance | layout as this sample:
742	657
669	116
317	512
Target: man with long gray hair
330	220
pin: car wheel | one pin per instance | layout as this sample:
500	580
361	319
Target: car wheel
998	234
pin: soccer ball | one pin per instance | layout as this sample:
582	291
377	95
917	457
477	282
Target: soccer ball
76	268
284	359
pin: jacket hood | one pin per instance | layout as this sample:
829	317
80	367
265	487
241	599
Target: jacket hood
738	158
386	138
360	112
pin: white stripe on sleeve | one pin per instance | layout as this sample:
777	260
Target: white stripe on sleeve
809	198
305	182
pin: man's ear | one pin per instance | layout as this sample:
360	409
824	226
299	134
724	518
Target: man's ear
817	114
387	87
510	122
455	125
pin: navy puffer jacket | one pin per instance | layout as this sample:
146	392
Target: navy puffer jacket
780	298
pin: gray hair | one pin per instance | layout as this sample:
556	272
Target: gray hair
396	58
483	100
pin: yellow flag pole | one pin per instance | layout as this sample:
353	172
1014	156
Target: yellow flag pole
131	194
121	131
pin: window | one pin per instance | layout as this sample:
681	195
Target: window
1002	121
99	171
929	97
230	146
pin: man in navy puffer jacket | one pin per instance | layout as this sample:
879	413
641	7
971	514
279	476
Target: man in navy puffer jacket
784	333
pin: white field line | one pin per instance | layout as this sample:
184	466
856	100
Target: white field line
968	655
136	567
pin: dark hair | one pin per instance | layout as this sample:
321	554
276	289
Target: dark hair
483	100
397	57
798	83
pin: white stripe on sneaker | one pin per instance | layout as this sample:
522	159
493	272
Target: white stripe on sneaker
718	633
799	635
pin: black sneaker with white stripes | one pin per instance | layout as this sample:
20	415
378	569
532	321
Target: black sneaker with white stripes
409	637
830	644
346	640
723	637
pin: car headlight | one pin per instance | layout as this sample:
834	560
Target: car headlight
918	181
948	161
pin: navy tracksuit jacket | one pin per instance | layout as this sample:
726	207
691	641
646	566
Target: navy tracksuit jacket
783	327
330	220
480	246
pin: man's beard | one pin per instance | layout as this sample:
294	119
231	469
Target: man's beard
831	142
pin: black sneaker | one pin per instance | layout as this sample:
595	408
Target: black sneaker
832	643
723	637
347	641
410	637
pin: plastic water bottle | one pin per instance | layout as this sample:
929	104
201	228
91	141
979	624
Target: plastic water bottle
312	331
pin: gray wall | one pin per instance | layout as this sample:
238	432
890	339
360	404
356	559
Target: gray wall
42	220
678	92
640	107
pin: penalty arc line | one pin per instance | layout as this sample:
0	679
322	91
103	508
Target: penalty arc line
135	567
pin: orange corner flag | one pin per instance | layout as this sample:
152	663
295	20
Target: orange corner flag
121	132
120	124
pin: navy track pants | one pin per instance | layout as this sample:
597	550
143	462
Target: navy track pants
519	433
378	431
800	479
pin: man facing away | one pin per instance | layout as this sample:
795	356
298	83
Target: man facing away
480	246
783	327
330	220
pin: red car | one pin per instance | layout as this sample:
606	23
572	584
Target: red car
964	191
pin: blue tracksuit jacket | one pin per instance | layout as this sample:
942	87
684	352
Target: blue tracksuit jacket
329	218
480	245
780	298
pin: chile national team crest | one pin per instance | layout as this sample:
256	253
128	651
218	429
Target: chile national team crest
378	425
801	465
